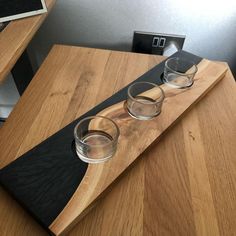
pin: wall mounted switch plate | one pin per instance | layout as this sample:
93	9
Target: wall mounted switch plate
155	43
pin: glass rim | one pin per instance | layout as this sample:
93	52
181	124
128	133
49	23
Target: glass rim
114	140
144	82
180	59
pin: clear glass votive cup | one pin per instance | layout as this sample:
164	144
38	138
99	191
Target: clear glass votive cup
179	73
96	139
144	100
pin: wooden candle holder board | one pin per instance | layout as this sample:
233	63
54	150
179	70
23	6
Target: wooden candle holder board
57	188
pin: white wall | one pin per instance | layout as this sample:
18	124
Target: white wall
209	25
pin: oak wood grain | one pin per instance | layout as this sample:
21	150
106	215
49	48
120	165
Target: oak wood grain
46	107
159	195
15	38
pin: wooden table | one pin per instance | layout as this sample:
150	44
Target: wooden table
183	185
15	38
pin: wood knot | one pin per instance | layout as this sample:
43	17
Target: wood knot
58	93
191	136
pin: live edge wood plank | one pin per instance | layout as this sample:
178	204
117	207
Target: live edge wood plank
163	194
50	103
15	38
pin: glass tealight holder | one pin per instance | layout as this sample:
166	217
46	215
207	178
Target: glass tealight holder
96	139
179	72
144	100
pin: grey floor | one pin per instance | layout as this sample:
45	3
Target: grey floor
8	97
